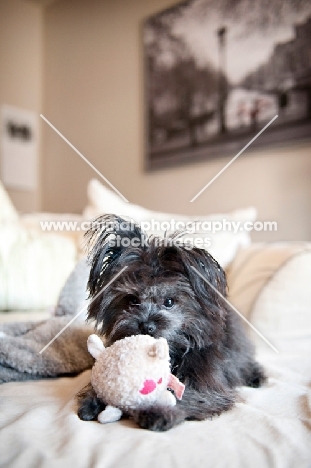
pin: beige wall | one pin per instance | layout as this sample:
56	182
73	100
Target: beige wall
94	95
21	36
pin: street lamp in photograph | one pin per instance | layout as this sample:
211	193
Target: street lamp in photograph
222	80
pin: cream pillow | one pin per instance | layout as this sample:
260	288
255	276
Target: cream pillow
284	305
33	221
269	285
223	244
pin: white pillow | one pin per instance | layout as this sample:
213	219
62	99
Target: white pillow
33	267
223	244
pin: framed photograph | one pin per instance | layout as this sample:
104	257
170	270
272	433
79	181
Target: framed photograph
217	71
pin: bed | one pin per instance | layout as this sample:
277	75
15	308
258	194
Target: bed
268	427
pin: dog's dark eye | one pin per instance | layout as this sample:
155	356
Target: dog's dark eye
168	302
133	300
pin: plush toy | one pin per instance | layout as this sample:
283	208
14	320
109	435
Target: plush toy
132	373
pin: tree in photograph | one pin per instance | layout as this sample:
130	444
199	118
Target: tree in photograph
182	95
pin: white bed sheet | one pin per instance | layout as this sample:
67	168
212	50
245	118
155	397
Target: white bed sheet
269	427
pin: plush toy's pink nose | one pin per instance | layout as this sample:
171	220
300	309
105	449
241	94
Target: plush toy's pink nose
149	386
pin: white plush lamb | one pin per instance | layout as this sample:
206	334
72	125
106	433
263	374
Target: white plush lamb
132	373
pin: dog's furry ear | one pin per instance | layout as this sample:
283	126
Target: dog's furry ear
203	262
107	239
198	263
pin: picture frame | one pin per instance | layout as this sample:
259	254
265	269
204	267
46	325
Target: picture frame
217	71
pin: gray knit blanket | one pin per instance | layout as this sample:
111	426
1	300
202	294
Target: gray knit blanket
21	342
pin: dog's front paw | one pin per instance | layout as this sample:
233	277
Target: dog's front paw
89	406
90	409
257	376
158	418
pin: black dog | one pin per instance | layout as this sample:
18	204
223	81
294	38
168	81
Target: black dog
162	295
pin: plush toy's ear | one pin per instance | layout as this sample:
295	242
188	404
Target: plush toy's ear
95	346
159	349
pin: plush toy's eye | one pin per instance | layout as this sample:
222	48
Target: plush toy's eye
133	300
168	302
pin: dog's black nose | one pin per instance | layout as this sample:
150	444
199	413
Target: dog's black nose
147	328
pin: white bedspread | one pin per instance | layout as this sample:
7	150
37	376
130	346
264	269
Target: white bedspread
269	427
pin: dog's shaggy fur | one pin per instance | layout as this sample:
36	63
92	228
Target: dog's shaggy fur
161	294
